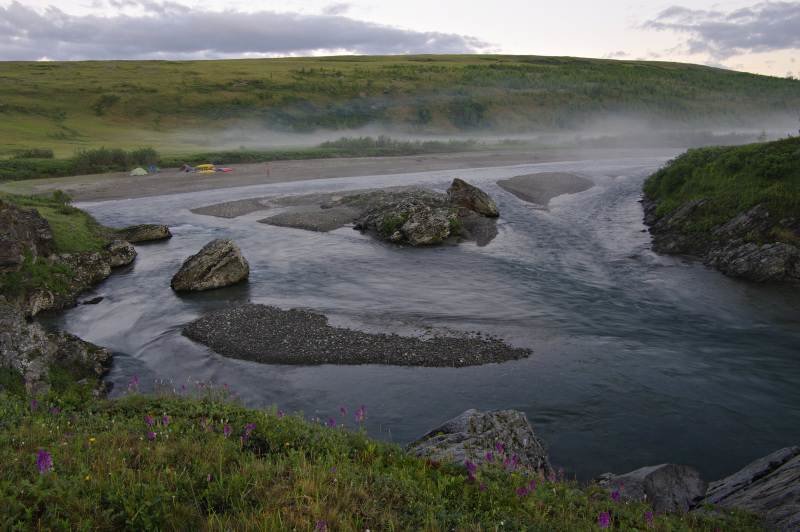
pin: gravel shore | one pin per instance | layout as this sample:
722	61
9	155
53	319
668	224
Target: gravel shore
271	335
541	188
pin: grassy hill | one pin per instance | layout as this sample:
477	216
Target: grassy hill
127	104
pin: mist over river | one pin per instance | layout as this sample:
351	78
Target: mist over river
637	358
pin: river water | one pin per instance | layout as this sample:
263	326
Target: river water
637	358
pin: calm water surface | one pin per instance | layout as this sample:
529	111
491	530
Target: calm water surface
638	359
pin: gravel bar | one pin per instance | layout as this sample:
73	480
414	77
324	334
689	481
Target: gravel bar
270	335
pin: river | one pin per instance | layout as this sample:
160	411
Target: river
637	358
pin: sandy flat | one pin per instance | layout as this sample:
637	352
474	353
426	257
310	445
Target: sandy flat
541	188
171	181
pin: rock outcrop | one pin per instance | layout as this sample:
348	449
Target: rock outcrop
120	253
23	232
745	247
667	487
419	219
144	233
422	218
220	263
506	434
462	194
32	352
768	487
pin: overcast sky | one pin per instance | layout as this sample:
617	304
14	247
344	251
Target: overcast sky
761	37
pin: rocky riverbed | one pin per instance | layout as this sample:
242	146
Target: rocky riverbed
267	334
540	188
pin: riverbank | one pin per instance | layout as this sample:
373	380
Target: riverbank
736	208
120	185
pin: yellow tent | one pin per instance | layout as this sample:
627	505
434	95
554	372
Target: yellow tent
205	168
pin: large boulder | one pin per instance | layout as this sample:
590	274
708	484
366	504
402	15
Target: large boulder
506	434
144	233
22	232
120	253
418	218
667	487
466	196
769	487
220	263
30	351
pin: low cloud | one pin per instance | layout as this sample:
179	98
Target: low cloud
764	27
171	30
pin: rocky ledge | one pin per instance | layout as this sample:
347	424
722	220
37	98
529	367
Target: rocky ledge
144	233
270	335
33	353
746	246
769	487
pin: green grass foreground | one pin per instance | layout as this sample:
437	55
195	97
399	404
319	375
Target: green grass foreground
202	461
733	180
185	106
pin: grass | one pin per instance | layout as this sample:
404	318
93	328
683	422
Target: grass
733	180
198	460
185	106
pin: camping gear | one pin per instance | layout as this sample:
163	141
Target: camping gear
138	171
205	168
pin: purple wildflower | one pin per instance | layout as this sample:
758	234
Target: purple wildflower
522	491
151	435
208	477
489	456
649	518
615	496
500	447
248	430
532	486
482	487
343	411
321	526
226	430
149	421
44	462
133	384
472	467
54	411
604	520
331	422
280	414
551	476
361	414
165	420
34	405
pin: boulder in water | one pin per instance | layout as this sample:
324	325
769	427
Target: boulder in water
466	196
120	253
144	233
220	263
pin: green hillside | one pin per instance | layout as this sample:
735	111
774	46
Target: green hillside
126	104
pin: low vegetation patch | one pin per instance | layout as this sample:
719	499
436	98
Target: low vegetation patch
732	180
195	459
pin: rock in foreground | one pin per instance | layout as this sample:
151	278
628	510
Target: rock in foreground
506	435
144	233
668	487
273	336
29	350
220	263
769	487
